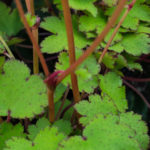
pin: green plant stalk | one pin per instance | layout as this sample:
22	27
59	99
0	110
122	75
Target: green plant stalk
115	31
42	60
6	47
30	7
72	57
96	42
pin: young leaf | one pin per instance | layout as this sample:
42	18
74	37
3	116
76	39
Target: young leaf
58	42
111	85
9	20
22	95
7	131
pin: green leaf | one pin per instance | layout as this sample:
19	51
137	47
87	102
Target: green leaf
86	73
110	132
63	126
9	20
90	24
136	44
60	89
111	85
80	5
48	138
58	42
18	144
7	131
15	95
95	106
35	129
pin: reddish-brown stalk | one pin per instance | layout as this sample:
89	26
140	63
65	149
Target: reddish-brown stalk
71	47
30	7
33	40
96	42
42	60
116	30
62	104
138	93
137	79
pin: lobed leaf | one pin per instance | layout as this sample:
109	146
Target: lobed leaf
22	95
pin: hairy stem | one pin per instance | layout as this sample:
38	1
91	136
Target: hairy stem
42	60
96	42
116	30
6	47
138	93
72	58
30	7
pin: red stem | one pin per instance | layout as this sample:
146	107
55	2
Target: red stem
72	58
137	79
138	93
96	42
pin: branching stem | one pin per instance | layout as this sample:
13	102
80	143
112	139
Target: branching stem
42	60
6	47
96	42
116	30
30	7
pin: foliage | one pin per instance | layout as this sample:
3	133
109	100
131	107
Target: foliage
25	103
105	122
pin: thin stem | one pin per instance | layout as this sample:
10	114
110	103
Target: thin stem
51	105
72	58
34	42
116	30
137	79
96	42
138	93
1	120
62	104
30	7
42	60
6	47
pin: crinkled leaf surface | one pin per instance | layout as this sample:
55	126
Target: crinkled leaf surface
111	132
58	42
7	131
136	44
86	73
111	85
81	5
9	20
63	126
95	106
21	94
88	23
35	129
48	138
133	18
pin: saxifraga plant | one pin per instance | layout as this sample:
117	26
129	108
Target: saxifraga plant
98	91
